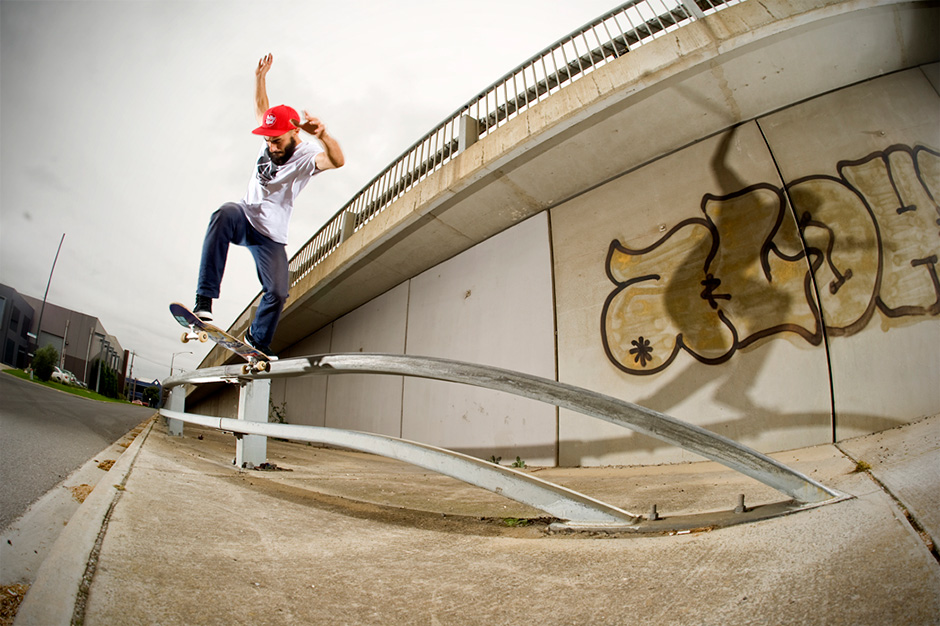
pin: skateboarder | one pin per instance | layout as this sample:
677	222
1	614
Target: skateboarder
260	220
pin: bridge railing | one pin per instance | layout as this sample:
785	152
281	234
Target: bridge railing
573	507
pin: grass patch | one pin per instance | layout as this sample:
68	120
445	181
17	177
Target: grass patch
515	522
78	391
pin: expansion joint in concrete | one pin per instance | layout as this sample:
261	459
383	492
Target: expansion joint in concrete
916	526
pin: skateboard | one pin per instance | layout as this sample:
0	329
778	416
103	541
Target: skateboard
198	330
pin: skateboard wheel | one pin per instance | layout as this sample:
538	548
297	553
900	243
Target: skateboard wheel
262	366
203	337
246	369
184	338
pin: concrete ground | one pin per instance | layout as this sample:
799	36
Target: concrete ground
180	536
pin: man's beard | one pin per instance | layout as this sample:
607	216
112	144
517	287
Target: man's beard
284	157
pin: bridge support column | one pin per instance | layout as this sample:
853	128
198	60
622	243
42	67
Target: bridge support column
176	402
253	399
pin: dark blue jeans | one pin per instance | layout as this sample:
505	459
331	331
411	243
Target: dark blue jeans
229	225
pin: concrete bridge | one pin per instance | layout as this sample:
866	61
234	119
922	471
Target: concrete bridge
729	216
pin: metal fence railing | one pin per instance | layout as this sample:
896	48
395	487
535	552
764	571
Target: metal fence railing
595	44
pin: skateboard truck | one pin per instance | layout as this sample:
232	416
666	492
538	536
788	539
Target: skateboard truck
256	365
192	335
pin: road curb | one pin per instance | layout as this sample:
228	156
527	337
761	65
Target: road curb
53	595
26	541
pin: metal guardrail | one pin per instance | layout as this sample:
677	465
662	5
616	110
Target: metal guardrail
640	419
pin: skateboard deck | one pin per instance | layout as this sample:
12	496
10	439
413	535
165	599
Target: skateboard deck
203	331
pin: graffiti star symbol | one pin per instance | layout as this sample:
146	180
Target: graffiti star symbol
642	351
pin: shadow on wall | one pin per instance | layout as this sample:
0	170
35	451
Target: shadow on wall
748	271
716	289
742	273
711	286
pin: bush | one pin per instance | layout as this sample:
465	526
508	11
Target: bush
44	362
107	383
152	396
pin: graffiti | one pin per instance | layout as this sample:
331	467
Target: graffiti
749	268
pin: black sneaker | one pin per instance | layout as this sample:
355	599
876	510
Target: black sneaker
203	308
251	343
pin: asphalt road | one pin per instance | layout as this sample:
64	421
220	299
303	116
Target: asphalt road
46	434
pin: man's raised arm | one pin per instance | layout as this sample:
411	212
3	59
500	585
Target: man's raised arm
261	90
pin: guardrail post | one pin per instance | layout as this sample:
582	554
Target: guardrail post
176	402
693	9
253	398
468	132
347	226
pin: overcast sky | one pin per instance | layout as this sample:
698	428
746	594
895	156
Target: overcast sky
125	124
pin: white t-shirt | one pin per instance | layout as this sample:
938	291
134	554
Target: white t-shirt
269	201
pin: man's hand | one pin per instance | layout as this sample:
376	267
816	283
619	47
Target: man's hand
332	155
264	65
311	125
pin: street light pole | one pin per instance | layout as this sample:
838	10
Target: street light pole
43	307
173	358
46	295
104	344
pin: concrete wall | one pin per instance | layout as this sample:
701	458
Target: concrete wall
705	300
735	224
490	305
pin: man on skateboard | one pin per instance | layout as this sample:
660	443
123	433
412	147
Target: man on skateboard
260	220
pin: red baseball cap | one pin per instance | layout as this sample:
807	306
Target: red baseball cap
277	121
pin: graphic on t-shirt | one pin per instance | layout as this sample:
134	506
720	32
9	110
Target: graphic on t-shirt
267	169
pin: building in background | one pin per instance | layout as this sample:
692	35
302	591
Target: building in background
80	339
16	319
136	390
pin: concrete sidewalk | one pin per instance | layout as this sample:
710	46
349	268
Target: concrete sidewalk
336	537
